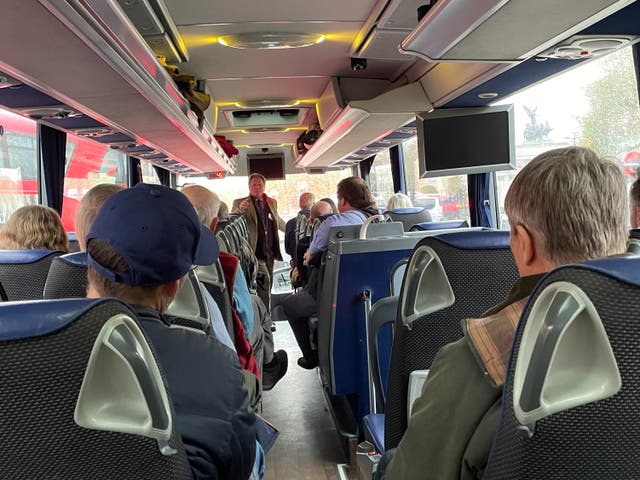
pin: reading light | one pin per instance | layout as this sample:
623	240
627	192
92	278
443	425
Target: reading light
270	40
487	95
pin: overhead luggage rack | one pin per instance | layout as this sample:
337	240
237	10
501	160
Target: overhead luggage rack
104	70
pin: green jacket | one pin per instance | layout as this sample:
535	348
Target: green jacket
451	430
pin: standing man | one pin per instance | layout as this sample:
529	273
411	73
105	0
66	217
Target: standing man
263	223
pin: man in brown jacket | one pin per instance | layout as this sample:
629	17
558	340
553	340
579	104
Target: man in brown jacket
566	206
263	223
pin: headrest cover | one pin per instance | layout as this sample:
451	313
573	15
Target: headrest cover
157	232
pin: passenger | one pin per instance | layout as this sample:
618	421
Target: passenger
293	226
141	255
260	338
88	209
263	223
34	227
567	205
223	214
399	200
634	204
355	203
334	208
321	208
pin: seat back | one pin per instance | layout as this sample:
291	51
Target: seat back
587	426
23	273
67	277
439	225
212	277
73	409
74	246
409	216
479	268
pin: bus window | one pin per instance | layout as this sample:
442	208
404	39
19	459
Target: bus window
380	178
18	163
149	174
593	105
88	163
446	198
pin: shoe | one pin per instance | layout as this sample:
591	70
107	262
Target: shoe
308	363
273	371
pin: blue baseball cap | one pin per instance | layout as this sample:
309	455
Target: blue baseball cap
157	232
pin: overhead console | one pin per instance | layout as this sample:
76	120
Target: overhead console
358	128
82	67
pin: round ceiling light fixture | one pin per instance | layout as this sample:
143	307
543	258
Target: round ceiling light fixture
270	40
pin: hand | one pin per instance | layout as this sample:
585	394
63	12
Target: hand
244	204
307	257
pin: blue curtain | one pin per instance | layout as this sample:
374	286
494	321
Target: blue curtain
135	171
478	187
53	144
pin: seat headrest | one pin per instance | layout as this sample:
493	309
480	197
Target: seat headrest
40	317
623	268
406	211
440	225
72	236
16	257
76	259
476	240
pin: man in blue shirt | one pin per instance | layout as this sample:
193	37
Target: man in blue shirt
355	204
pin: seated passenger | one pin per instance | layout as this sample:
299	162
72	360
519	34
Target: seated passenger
251	336
634	207
34	227
399	200
567	205
293	226
334	207
355	203
89	206
223	213
142	255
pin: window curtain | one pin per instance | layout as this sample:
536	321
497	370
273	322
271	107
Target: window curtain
163	175
53	144
478	187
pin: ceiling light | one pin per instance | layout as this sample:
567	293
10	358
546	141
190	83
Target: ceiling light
270	40
487	95
274	103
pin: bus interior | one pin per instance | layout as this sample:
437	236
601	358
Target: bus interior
180	92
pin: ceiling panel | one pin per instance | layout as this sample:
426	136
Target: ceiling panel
205	11
227	90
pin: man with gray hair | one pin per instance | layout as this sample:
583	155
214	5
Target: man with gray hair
88	209
567	205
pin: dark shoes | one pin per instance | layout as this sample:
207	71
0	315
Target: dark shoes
308	363
273	371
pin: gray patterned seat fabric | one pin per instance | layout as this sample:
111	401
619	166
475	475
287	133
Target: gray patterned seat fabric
480	268
67	277
23	273
597	440
44	351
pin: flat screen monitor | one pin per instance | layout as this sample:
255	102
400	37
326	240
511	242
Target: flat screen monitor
466	140
271	166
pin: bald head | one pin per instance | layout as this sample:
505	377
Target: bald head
206	203
321	208
306	200
89	207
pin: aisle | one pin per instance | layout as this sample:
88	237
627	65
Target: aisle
308	447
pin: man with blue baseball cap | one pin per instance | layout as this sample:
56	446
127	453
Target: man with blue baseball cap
141	246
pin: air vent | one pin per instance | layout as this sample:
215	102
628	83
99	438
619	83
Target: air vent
580	47
266	117
94	132
49	113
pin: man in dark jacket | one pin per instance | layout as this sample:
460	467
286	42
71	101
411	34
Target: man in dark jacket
565	206
141	246
296	227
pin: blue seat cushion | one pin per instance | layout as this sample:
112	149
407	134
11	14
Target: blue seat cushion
374	429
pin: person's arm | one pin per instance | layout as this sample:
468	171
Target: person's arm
454	401
320	240
240	205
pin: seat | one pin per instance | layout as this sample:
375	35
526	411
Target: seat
449	277
73	243
67	277
409	216
448	224
23	273
577	346
212	277
82	395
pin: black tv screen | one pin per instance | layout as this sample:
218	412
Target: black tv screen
271	166
466	140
